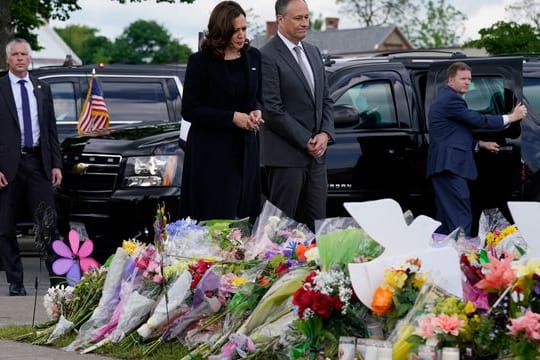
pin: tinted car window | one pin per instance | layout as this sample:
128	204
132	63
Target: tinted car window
531	90
64	102
135	101
486	95
374	102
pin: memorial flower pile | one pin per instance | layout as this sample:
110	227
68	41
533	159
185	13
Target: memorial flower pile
224	290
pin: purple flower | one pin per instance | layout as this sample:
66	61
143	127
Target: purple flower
73	259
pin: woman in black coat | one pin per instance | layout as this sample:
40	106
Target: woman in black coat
222	90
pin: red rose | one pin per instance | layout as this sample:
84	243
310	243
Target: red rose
323	306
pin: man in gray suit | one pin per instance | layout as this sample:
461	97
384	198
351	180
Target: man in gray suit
298	117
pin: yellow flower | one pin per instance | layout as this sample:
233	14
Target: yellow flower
490	239
175	269
530	268
418	280
238	281
129	246
469	307
395	279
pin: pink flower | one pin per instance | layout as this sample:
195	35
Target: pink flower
500	274
235	235
450	324
528	324
427	326
74	258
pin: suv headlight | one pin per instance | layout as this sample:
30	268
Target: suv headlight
158	170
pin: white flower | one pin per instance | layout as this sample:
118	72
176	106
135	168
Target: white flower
312	254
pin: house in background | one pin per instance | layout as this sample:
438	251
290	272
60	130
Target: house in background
54	50
348	42
359	42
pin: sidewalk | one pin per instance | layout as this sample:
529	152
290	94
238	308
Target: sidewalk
18	310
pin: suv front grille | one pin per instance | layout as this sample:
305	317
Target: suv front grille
90	174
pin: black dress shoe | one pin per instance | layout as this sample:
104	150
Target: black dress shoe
17	290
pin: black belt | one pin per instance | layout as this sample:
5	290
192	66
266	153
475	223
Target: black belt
30	150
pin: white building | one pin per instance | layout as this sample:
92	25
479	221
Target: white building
54	49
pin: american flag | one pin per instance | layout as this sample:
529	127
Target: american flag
94	114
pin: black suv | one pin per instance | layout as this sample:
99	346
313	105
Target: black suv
114	182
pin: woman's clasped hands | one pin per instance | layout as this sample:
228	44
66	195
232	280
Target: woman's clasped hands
249	122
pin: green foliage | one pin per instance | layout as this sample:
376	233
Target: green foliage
526	10
20	18
437	28
425	23
148	42
76	36
96	50
403	301
315	24
28	15
377	12
507	37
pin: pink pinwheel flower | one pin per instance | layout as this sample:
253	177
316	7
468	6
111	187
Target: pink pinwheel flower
73	260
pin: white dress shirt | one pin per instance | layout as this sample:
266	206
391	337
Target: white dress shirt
16	89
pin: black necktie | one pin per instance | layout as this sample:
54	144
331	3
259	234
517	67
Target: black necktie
27	119
298	51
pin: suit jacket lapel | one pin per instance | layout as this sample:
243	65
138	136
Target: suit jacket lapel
291	61
10	100
315	68
39	99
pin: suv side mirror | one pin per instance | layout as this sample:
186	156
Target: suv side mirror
345	116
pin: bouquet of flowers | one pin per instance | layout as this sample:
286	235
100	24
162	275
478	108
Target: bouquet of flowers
396	296
443	325
525	331
324	295
274	231
57	300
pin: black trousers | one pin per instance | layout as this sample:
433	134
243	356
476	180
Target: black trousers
31	187
300	192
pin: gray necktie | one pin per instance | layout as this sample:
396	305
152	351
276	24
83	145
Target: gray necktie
298	51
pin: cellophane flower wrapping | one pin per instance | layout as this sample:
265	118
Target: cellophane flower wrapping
487	267
107	303
496	231
273	228
205	302
169	304
187	239
428	296
56	300
341	241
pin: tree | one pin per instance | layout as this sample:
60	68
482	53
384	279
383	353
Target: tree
528	10
315	24
507	37
377	12
437	28
148	42
98	49
426	23
21	17
76	36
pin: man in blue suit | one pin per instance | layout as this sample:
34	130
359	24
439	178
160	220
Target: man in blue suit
450	161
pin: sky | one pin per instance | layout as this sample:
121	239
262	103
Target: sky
184	21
